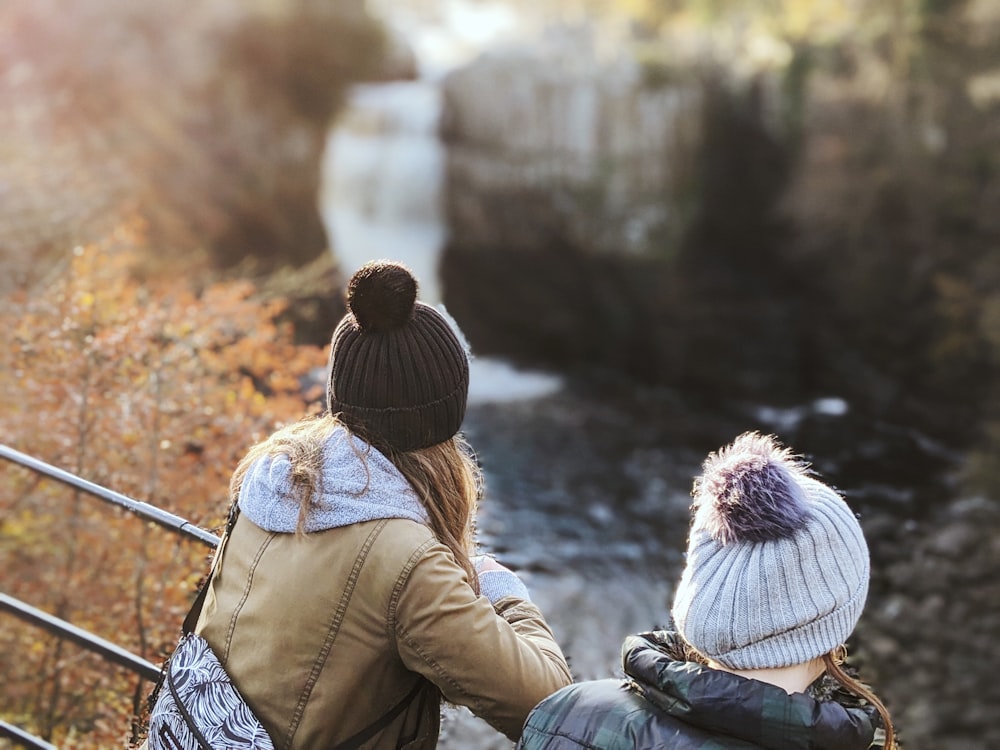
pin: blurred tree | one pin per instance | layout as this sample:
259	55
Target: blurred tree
155	389
209	119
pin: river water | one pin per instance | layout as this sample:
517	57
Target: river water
588	492
588	475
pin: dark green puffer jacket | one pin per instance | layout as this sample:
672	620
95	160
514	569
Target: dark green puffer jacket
668	702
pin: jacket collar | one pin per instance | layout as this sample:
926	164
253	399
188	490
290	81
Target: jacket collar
754	711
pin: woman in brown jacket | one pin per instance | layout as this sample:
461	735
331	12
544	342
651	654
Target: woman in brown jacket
347	595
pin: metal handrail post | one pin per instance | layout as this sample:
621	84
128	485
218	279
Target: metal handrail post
144	510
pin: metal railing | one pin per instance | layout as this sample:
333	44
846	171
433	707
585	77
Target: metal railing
104	648
23	738
144	510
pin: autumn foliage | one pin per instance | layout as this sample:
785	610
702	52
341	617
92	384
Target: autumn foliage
152	384
143	148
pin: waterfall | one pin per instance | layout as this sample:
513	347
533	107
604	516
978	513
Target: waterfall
384	164
383	173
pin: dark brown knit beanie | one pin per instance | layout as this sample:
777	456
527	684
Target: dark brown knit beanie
399	376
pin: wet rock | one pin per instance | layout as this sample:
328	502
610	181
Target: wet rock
956	539
939	602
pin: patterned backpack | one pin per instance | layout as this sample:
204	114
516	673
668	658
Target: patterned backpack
200	707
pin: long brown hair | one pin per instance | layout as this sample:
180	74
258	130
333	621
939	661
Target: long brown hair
446	478
449	483
833	662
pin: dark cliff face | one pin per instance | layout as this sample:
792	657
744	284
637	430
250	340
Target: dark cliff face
831	255
709	310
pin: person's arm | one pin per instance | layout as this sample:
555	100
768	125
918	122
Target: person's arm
498	659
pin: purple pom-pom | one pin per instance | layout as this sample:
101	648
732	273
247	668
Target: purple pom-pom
381	295
749	491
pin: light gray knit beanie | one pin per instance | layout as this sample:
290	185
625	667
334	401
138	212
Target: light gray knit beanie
777	566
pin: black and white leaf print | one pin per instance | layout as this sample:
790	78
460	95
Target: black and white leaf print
199	708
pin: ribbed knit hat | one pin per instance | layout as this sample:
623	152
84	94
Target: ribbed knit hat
777	566
399	374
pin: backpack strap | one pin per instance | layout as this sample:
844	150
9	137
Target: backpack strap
192	725
357	740
191	620
195	612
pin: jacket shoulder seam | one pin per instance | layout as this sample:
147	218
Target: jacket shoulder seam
443	676
397	589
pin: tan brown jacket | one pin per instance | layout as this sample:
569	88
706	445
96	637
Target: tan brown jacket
324	632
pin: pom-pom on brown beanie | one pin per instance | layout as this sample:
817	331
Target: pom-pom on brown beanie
398	373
